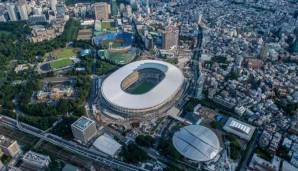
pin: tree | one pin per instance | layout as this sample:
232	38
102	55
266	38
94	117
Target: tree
235	147
167	149
133	154
145	140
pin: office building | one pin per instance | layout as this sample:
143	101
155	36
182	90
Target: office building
128	10
170	37
264	52
35	161
11	12
53	4
2	167
22	8
60	10
102	10
84	129
8	146
2	17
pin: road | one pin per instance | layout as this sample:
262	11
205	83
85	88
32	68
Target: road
69	145
248	153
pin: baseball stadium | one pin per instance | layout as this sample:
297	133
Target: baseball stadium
142	87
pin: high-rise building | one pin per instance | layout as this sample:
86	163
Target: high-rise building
264	52
148	7
53	4
84	129
128	10
2	17
102	10
60	10
114	7
170	37
11	12
22	8
8	146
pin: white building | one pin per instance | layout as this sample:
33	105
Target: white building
107	144
167	78
197	143
11	12
22	8
84	129
36	161
241	129
53	4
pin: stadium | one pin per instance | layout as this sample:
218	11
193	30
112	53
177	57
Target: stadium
142	87
197	143
110	40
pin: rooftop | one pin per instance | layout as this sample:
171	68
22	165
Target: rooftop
107	144
82	123
5	141
239	128
172	83
197	143
36	158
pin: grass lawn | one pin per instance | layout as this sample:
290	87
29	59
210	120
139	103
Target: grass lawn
142	88
4	33
60	63
106	25
64	53
121	57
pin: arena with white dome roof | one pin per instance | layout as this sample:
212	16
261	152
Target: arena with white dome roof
197	143
142	87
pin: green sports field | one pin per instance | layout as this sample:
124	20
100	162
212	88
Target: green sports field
144	87
60	63
121	57
64	53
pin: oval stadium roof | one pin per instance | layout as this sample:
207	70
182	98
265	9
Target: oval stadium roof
197	143
162	92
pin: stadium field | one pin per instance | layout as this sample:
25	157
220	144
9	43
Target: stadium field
144	87
60	63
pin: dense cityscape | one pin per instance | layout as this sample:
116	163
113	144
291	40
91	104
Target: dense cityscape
148	85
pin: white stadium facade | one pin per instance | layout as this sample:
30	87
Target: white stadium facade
142	87
197	143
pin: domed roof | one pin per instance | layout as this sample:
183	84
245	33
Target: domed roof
197	143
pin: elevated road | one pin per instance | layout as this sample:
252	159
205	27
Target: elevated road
69	145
